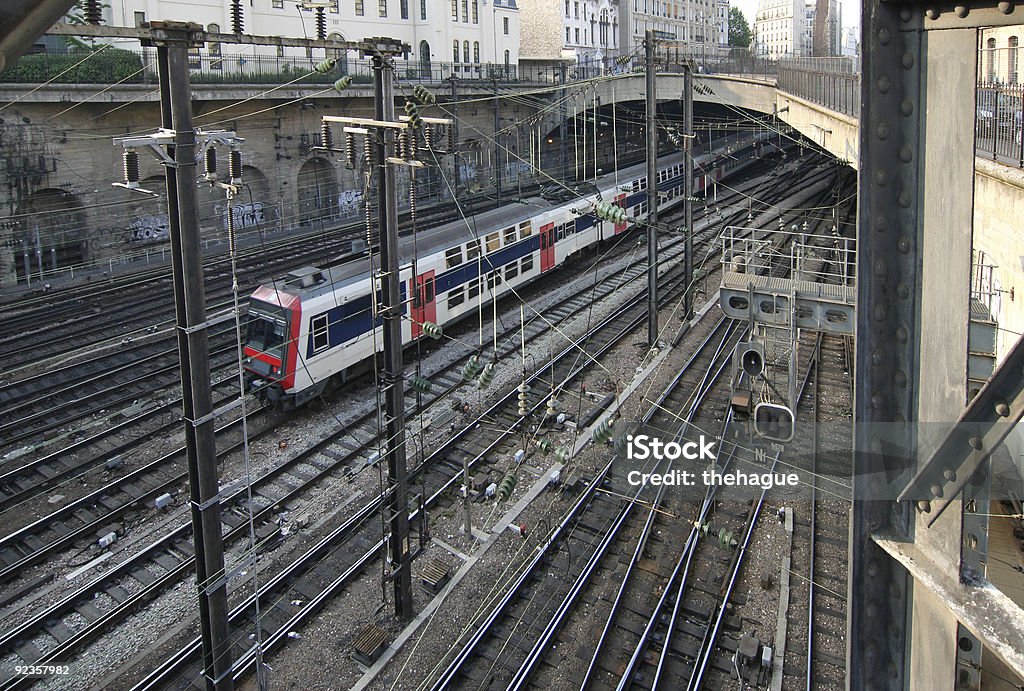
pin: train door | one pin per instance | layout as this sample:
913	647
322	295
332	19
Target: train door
547	247
424	303
620	201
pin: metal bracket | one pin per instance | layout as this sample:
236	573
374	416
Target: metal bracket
217	412
993	413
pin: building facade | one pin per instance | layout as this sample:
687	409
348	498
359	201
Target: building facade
780	29
723	25
1001	55
591	31
691	28
465	34
833	29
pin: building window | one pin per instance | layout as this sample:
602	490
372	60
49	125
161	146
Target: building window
507	58
280	51
319	333
465	51
576	10
577	36
455	51
423	9
465	11
991	45
214	49
334	7
359	8
567	39
1011	60
504	25
567	8
140	19
404	8
455	10
195	60
476	11
277	4
476	51
382	8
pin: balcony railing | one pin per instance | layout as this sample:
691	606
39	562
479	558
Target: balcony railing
830	82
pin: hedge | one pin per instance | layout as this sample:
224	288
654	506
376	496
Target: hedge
104	67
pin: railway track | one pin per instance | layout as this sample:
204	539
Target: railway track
86	451
173	547
509	645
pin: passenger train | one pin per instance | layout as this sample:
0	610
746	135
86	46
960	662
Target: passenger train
316	324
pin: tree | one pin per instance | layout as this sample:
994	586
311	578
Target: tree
739	30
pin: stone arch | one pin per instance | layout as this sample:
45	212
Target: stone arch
49	233
317	191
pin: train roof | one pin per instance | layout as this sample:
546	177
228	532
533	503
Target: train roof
311	281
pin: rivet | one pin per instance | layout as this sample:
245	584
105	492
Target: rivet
906	154
924	506
900	378
879	312
975	443
884	84
903	291
902	335
949	474
877	357
961	11
876	401
881	177
884	36
931	13
907	107
882	130
908	60
904	244
905	15
936	491
1002	409
904	199
880	267
1005	7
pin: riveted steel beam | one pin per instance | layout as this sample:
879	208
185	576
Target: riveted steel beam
993	413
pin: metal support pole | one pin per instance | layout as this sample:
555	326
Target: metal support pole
391	313
497	145
465	500
455	137
688	187
194	356
652	194
562	115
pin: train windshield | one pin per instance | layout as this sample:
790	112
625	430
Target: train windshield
268	329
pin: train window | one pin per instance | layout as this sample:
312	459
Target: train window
428	291
319	332
493	242
494	279
511	271
528	263
455	297
510	235
453	257
525	229
472	250
474	287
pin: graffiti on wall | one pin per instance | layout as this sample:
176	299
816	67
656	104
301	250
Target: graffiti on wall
246	216
350	202
145	228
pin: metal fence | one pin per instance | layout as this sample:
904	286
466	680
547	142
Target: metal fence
830	82
998	123
139	67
